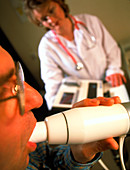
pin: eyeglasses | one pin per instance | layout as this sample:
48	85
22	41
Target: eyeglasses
18	89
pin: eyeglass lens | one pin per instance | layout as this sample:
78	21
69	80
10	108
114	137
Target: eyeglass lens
20	80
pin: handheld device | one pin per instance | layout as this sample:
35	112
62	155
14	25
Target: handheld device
84	125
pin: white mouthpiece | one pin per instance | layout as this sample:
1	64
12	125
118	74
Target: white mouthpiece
40	133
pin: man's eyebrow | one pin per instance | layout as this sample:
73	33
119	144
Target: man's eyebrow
5	78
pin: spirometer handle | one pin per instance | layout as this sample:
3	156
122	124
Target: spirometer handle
84	125
87	124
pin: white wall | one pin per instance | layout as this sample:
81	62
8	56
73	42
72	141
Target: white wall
24	36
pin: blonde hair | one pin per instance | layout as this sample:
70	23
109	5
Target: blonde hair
30	5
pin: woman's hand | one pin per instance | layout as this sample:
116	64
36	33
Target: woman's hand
86	152
116	79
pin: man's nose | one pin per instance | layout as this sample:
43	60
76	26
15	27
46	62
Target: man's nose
33	99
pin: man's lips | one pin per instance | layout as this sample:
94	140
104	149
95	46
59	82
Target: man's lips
31	146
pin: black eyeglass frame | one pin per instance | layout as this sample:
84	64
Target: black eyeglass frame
20	91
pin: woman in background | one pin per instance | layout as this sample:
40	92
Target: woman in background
77	46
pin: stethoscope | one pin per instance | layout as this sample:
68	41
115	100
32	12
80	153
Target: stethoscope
78	65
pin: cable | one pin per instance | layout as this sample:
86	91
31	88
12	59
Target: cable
121	142
103	165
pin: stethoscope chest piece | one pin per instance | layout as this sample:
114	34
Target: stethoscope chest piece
79	66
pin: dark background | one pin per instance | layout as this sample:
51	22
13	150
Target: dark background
41	112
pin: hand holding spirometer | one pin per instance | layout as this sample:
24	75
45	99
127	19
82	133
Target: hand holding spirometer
84	125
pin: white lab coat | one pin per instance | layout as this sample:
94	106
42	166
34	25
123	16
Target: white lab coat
103	59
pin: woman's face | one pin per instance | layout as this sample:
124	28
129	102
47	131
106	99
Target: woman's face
51	16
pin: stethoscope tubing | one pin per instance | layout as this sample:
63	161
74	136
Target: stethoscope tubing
78	64
67	51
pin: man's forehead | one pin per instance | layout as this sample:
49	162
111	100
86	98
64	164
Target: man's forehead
7	66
